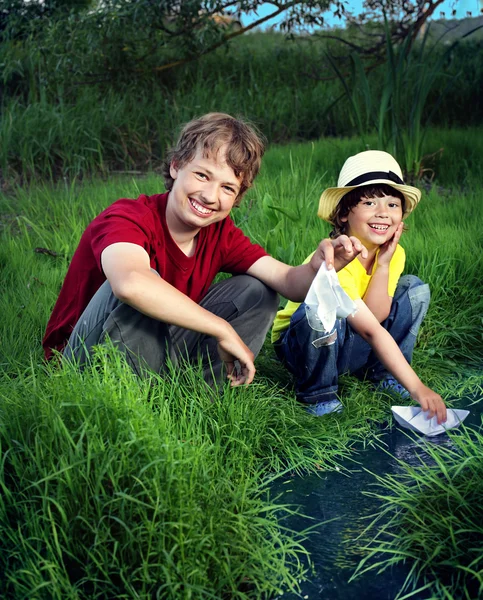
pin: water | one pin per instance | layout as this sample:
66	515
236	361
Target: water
337	500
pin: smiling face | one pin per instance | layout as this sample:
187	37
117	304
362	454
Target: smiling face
204	192
374	220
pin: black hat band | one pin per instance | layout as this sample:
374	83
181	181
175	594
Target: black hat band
388	175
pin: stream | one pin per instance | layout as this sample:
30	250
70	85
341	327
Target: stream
337	500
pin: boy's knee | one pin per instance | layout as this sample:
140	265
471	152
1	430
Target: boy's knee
417	291
254	293
419	297
410	303
409	282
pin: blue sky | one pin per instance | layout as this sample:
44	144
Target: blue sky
461	7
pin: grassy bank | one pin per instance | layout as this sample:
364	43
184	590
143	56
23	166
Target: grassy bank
115	487
57	124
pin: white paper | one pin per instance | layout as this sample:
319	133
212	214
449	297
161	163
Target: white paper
413	417
326	301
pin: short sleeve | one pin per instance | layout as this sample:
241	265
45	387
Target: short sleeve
239	253
124	221
349	282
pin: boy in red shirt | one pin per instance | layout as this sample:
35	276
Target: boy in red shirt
143	271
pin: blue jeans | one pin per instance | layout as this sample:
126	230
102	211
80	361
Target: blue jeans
316	359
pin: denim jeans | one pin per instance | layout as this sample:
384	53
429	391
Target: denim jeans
244	301
316	359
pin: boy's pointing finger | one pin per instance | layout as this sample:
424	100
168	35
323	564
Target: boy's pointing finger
327	248
358	246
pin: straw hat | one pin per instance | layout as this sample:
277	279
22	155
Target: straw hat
367	168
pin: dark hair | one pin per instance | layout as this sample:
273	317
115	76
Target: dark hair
352	198
245	146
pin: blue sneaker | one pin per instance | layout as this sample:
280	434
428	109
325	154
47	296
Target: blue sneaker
393	387
324	408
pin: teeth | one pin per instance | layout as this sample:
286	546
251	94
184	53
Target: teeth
201	209
380	227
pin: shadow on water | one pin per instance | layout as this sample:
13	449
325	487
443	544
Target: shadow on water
337	501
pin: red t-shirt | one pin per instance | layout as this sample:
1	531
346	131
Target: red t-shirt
221	247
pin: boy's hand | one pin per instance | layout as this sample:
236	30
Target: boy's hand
430	401
338	252
386	251
230	348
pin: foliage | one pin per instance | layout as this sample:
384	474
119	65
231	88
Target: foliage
398	111
114	40
72	129
16	16
121	490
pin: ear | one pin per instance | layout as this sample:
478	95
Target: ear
344	219
173	170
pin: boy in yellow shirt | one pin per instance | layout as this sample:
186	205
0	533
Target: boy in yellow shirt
369	203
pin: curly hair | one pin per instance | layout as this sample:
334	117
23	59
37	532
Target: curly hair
352	198
245	147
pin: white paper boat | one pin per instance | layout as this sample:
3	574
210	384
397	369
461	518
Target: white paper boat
413	417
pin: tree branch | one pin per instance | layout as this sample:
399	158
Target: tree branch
225	39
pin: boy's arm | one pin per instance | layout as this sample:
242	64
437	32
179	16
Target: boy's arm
127	268
376	297
388	352
294	282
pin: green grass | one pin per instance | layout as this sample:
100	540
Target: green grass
54	124
125	489
116	487
431	519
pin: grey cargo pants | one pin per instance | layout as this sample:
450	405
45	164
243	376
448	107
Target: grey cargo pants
244	301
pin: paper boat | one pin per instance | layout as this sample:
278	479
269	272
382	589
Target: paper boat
413	417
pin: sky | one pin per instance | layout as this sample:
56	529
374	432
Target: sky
461	7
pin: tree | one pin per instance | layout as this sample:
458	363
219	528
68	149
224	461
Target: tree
17	15
93	41
114	39
367	34
398	109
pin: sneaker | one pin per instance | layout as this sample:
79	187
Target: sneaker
324	408
393	387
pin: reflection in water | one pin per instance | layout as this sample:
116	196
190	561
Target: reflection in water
337	501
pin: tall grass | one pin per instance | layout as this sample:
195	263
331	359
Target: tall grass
115	487
51	128
398	111
431	518
119	492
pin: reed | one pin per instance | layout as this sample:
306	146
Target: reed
398	110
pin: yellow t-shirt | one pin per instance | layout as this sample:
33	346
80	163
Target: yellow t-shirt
354	281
